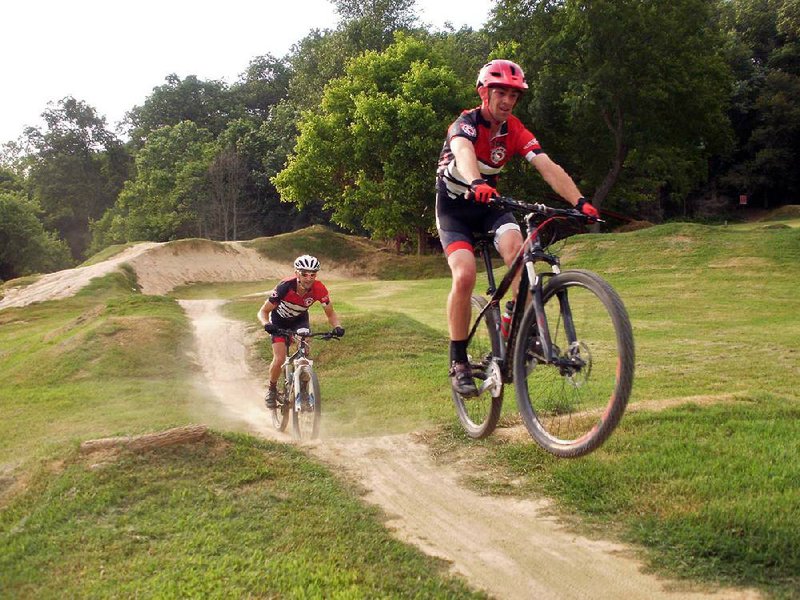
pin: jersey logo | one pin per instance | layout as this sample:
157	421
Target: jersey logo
498	154
531	144
468	129
308	301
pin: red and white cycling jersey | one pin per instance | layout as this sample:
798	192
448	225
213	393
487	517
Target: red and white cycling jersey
290	305
492	153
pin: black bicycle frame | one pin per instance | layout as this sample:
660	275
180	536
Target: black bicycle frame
530	254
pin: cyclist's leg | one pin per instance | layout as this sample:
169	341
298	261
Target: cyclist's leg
508	241
279	344
463	270
456	237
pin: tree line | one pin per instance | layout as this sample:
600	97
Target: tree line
659	111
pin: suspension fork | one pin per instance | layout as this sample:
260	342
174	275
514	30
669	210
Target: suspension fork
537	299
566	316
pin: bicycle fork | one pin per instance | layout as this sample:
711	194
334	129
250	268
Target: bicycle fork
570	363
302	375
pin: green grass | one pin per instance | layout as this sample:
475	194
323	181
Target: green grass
234	517
711	492
709	485
360	256
229	517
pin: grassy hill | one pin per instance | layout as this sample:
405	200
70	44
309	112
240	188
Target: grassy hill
703	471
362	257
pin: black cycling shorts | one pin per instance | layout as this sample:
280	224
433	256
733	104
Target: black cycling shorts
458	219
300	322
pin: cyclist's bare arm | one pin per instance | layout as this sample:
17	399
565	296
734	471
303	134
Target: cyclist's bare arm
557	178
333	318
263	313
466	160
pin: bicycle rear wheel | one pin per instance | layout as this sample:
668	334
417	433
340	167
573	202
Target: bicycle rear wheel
572	402
479	415
306	416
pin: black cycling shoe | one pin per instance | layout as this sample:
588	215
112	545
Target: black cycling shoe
271	399
461	380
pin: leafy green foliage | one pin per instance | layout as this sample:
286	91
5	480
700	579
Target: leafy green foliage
607	79
163	201
764	49
76	170
362	151
204	103
25	246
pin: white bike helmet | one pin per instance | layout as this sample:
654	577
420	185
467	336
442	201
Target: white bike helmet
306	263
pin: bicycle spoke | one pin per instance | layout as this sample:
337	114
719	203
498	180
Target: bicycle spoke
479	415
573	399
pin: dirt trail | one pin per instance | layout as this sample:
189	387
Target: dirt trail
510	548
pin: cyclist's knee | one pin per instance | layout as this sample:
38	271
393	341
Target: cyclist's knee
509	245
463	281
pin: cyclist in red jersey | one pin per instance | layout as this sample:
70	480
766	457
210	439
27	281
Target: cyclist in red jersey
479	142
286	307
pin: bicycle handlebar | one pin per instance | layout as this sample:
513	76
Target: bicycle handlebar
542	209
301	333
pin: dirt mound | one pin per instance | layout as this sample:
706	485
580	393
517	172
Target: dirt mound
159	268
62	284
173	264
790	211
633	226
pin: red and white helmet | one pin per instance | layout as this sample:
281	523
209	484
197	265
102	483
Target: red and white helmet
503	73
499	73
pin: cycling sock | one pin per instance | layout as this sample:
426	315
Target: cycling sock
458	350
273	385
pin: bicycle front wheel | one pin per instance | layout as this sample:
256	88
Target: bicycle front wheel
479	415
572	400
307	408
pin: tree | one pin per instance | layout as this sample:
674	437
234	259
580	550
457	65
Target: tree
207	104
608	79
227	175
75	171
322	56
165	200
25	246
369	152
261	86
764	53
264	146
371	24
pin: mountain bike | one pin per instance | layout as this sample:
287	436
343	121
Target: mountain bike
569	348
298	387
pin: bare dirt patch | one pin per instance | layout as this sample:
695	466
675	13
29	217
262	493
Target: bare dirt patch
159	269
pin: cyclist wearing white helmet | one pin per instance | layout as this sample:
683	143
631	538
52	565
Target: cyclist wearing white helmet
478	144
287	306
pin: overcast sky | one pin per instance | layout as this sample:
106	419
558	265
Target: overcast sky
112	54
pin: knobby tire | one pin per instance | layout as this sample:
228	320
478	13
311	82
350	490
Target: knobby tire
305	422
571	410
479	416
